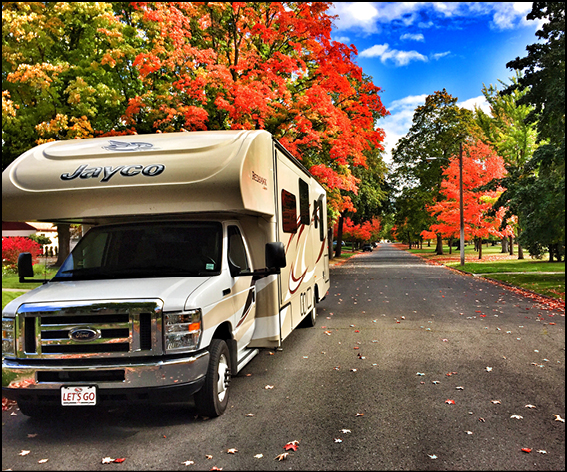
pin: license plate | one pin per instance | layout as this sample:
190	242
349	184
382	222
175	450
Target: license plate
78	396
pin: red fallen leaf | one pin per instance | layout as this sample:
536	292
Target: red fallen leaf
450	402
122	459
292	445
483	316
357	331
526	449
551	323
356	347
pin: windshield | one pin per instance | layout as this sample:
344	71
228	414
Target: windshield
168	249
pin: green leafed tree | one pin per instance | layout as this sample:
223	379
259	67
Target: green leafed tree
437	128
539	190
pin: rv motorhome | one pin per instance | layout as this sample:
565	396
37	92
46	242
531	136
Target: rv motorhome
198	249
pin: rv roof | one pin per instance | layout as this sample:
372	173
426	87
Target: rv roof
85	180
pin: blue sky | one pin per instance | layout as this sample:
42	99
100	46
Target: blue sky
413	49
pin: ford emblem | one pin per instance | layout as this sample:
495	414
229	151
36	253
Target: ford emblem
84	334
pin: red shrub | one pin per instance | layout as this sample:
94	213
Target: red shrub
13	246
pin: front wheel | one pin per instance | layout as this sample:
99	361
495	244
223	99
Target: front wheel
212	399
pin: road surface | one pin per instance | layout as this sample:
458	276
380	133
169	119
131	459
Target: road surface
410	366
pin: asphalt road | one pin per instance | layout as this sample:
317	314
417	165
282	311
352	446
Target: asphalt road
366	389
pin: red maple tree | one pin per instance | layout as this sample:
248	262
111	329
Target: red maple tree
260	65
480	165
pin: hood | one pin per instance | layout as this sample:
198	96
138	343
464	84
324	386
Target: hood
173	291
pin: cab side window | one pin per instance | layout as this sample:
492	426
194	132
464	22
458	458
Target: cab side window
236	249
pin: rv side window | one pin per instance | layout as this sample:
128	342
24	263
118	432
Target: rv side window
322	222
236	249
315	214
304	202
289	212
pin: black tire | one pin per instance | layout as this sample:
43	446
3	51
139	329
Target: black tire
311	318
212	399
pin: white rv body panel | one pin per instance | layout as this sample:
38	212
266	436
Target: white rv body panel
243	182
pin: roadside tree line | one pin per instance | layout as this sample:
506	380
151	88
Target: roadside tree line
513	157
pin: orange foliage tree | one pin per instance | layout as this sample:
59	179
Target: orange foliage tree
364	232
480	165
260	65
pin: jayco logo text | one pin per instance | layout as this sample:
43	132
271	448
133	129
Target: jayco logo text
107	172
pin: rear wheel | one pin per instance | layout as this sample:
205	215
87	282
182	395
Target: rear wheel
310	320
212	399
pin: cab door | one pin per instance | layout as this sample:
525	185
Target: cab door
243	289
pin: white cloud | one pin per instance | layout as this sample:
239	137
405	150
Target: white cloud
369	17
412	37
341	39
439	55
398	123
400	58
478	102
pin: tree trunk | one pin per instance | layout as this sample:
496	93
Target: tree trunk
450	245
64	235
511	245
504	245
339	236
520	250
439	247
480	248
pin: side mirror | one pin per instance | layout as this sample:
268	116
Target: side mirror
275	255
25	266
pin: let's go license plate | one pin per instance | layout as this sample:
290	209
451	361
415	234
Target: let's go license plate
78	396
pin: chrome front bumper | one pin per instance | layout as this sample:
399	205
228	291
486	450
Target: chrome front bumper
29	377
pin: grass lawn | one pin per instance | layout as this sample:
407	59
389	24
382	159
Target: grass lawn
528	273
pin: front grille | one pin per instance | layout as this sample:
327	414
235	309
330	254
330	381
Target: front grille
99	329
82	376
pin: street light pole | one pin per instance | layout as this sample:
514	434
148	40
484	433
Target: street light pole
461	211
462	235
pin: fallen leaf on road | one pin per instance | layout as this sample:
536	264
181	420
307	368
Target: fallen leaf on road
419	373
232	450
258	456
344	431
459	388
518	417
526	449
435	382
122	459
290	447
450	402
359	414
496	402
530	406
282	457
488	369
107	460
188	463
541	451
42	461
558	418
24	453
338	440
32	435
482	420
208	456
268	387
469	432
432	456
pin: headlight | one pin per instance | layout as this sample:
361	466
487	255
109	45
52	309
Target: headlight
8	338
182	330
